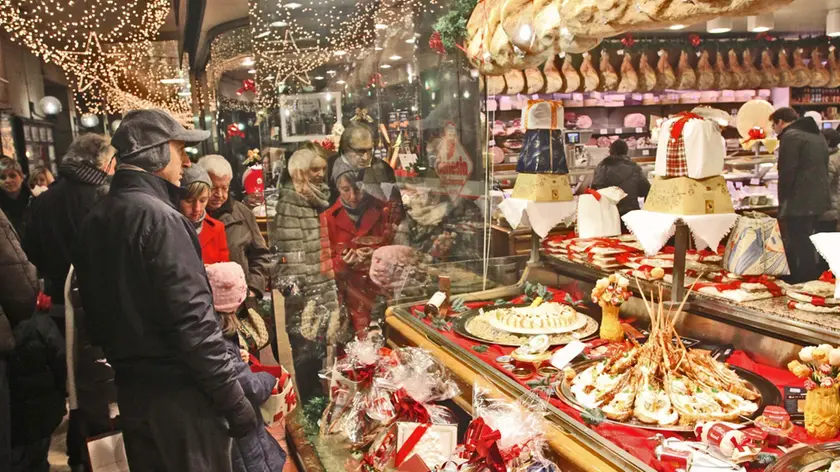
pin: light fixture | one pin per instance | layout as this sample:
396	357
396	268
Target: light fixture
395	58
677	27
263	34
50	106
270	77
248	62
252	71
341	82
320	77
385	66
184	93
832	24
241	126
173	81
380	26
377	48
410	40
292	6
719	25
339	53
279	24
761	23
89	120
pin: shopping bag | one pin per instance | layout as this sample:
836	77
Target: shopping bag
283	399
755	247
107	453
597	215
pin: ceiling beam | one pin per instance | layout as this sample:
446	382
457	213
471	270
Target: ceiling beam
192	28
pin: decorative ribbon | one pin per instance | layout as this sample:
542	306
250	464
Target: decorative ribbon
408	409
828	276
594	193
248	85
720	287
481	446
408	445
683	118
701	255
362	375
771	285
234	131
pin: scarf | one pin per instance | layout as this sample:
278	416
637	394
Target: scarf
83	172
356	214
226	208
315	195
200	223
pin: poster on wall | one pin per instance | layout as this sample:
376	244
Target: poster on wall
7	137
309	116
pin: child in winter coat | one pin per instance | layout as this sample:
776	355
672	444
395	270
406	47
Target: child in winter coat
258	451
37	377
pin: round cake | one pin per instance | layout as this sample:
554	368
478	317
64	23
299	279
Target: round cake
547	316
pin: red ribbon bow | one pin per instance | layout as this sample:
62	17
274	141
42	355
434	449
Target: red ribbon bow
594	193
771	285
363	375
828	276
720	287
248	85
233	131
481	446
409	409
628	41
694	39
684	117
757	133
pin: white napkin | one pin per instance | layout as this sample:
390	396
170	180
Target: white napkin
654	229
542	216
828	245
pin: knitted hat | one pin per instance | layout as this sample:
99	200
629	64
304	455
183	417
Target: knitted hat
229	287
193	174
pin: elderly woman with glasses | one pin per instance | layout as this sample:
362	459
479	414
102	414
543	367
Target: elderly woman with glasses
14	198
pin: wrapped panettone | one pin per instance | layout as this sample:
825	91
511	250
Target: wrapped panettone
690	146
542	167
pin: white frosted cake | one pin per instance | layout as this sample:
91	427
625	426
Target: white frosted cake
548	317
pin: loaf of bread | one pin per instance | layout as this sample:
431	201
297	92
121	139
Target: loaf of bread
723	78
753	80
629	77
705	73
665	77
819	74
686	77
553	78
609	78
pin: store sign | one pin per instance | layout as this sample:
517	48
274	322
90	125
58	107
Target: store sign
454	166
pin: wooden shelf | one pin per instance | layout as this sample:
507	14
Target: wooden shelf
802	104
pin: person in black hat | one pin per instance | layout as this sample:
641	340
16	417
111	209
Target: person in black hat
149	306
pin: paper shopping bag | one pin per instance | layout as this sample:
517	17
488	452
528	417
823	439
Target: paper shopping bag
755	247
107	453
597	215
283	399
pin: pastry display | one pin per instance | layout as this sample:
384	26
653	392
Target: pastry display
662	383
543	318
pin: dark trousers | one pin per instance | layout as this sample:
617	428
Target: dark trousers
80	428
33	457
172	429
801	255
5	417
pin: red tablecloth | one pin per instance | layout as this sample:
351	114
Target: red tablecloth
636	441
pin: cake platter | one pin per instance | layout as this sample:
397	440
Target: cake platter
473	325
578	323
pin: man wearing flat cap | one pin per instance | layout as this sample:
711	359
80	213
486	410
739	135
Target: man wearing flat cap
149	306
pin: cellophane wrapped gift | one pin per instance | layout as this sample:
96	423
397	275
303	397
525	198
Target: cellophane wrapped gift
755	247
412	385
504	435
543	150
690	146
597	215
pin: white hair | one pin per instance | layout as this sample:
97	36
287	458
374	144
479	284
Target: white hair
216	165
301	160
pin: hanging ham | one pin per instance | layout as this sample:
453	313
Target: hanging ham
819	74
753	74
515	82
495	84
647	76
833	68
801	74
665	77
705	73
609	78
591	81
553	78
570	75
686	77
534	80
739	76
629	78
769	74
785	70
723	78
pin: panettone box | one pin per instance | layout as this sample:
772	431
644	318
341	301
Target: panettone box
544	188
685	196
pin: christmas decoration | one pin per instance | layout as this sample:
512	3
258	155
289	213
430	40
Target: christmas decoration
436	45
248	85
233	131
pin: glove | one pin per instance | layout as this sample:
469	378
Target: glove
242	419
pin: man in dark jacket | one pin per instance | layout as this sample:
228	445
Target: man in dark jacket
618	170
55	218
803	189
148	304
18	292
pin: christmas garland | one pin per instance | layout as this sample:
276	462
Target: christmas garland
696	43
452	26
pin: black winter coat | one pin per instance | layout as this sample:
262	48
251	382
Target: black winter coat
54	220
621	171
18	284
258	451
146	295
803	170
16	208
36	380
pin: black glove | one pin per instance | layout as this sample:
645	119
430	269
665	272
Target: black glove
242	419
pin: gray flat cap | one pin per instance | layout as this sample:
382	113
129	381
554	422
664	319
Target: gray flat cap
141	130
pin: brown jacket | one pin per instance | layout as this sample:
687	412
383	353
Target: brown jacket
18	284
246	244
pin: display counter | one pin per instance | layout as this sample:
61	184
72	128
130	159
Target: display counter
764	335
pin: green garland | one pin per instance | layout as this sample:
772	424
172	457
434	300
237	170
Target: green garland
452	26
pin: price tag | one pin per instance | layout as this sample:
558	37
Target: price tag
604	131
619	130
755	182
646	152
640	130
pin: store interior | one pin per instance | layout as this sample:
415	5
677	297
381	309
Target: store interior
502	315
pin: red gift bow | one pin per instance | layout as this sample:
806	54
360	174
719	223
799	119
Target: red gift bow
594	193
721	287
771	285
757	132
481	446
628	41
248	85
234	131
409	444
828	276
43	302
409	409
694	39
684	117
363	375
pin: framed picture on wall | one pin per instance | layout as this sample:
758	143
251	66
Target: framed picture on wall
308	116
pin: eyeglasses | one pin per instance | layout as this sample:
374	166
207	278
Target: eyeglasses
361	151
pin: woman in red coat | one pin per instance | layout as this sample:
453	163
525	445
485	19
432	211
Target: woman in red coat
357	224
211	232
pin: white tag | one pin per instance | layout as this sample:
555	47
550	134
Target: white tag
492	143
604	131
640	130
561	358
619	131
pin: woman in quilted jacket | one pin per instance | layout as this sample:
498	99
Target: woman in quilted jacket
257	451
